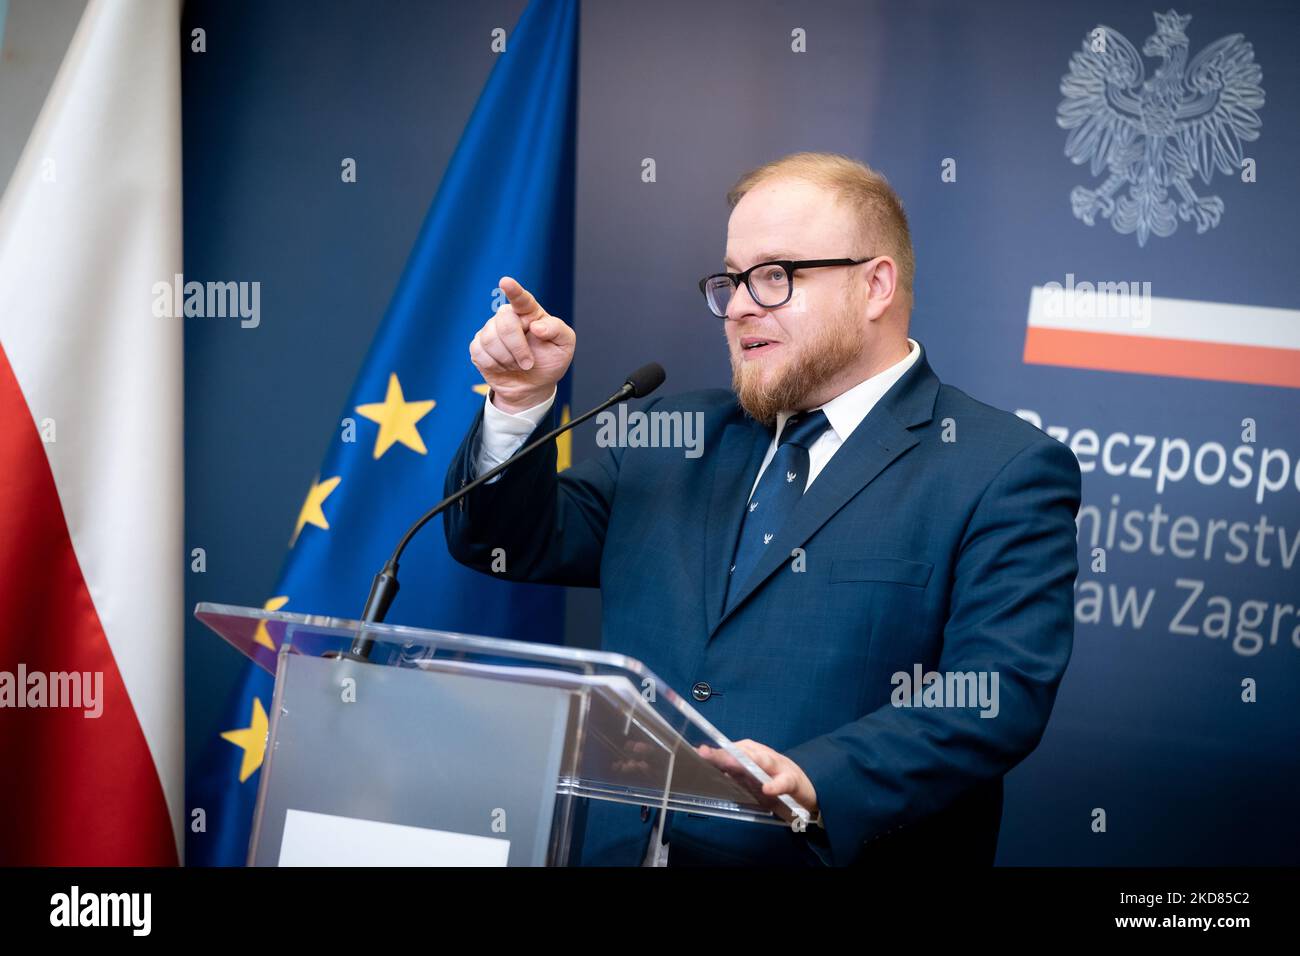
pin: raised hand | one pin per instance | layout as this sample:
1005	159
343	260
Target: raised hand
522	350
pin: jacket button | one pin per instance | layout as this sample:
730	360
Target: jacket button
701	691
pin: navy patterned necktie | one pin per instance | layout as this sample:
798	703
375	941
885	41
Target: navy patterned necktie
778	491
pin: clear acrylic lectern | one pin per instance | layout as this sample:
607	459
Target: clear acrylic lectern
452	749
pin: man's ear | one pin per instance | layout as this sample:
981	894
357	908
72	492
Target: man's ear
882	284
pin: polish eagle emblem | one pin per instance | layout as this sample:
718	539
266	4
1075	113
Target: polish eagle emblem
1156	135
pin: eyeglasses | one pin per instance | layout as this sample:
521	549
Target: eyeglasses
770	284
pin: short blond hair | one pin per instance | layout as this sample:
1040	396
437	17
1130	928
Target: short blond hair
882	221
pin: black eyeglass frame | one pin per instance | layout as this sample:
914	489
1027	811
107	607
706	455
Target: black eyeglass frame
790	266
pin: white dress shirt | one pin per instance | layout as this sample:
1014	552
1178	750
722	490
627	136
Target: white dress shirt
503	434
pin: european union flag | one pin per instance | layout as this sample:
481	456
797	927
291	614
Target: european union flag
505	207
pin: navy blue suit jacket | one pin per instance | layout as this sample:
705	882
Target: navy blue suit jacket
941	534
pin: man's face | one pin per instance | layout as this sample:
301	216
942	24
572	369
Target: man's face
801	354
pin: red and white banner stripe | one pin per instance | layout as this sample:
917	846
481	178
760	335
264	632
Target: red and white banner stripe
1149	335
91	508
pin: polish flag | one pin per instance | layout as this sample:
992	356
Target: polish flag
91	549
1127	329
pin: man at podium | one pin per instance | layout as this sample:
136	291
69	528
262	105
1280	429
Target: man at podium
863	575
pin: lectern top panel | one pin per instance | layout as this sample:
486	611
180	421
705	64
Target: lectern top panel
631	738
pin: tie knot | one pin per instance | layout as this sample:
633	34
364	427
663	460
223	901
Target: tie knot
804	428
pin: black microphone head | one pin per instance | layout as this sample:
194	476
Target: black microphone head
646	379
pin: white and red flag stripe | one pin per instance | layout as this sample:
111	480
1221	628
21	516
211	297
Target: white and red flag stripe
91	508
1151	335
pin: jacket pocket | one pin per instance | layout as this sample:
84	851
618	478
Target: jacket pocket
892	570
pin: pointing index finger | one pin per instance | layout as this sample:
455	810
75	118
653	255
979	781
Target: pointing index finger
521	300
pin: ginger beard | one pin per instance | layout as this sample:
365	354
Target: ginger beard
764	392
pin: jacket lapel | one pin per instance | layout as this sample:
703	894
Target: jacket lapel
881	438
743	446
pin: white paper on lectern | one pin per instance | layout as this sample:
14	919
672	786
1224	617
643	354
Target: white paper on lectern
323	839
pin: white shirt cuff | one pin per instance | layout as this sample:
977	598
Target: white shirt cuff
502	433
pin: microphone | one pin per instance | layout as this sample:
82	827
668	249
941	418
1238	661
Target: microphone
384	587
644	380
